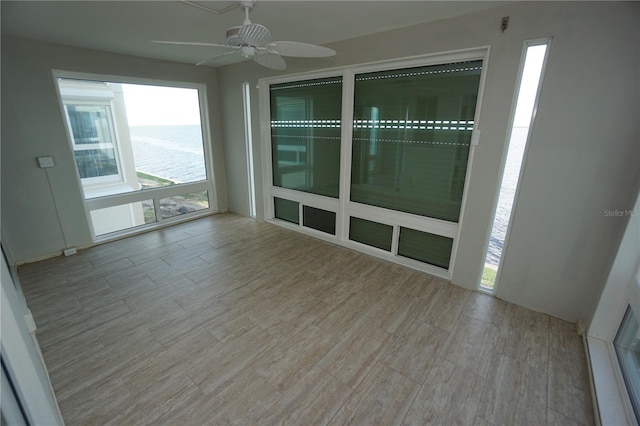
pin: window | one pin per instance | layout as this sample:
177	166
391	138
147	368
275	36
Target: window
136	138
110	219
391	182
305	134
287	210
318	219
425	247
627	347
411	137
183	204
93	139
533	64
371	233
143	135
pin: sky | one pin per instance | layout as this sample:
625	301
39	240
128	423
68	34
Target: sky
529	85
156	105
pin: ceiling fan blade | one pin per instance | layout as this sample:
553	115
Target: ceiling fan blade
254	34
195	43
270	60
302	50
213	58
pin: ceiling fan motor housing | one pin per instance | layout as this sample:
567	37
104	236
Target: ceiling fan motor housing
233	37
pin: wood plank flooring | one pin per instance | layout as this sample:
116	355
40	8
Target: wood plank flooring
226	320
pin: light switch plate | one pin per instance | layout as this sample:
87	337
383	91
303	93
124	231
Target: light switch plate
45	162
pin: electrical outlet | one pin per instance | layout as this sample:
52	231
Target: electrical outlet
70	251
45	162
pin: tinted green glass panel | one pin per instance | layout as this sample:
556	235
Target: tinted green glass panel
411	136
287	210
319	219
370	233
305	135
425	247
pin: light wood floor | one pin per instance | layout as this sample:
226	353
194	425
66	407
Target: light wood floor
228	320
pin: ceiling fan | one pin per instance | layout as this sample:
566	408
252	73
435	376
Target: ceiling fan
253	41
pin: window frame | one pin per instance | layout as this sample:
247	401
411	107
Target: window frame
100	202
621	290
611	397
343	207
631	312
115	145
309	107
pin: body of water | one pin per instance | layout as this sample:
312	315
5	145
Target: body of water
171	152
507	193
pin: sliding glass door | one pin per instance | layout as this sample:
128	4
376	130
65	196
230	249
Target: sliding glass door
411	137
375	158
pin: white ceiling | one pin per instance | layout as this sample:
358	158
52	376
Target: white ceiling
128	27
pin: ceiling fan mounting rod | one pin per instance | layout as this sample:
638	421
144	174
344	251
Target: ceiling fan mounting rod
246	7
247	4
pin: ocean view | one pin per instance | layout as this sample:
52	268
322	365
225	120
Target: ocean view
170	152
505	201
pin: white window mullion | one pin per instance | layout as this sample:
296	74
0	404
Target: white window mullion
342	218
265	132
246	92
300	214
395	240
156	207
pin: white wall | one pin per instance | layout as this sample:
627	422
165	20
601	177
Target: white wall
613	299
583	156
22	356
32	126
